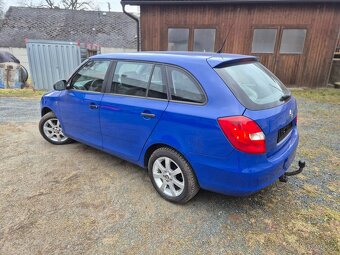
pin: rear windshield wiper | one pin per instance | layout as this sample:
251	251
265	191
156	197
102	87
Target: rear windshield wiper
285	97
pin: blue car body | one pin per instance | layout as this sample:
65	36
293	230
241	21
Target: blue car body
117	127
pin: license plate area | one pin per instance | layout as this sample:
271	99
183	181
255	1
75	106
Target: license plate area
283	132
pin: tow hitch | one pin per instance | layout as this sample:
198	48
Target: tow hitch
284	177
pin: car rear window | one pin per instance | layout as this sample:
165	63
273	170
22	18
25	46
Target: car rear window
254	85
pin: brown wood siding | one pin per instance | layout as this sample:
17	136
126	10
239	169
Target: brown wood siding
236	22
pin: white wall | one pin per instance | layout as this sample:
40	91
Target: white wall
105	50
21	54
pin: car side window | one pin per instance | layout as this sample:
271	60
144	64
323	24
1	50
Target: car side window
157	87
184	87
131	78
91	76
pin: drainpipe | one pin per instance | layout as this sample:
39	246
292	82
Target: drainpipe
135	19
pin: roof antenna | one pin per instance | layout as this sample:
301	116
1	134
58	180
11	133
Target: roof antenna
225	39
220	50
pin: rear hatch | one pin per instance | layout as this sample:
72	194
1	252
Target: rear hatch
276	123
267	100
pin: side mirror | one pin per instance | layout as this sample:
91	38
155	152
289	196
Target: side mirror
60	85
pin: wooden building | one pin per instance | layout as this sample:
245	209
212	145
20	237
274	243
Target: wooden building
295	39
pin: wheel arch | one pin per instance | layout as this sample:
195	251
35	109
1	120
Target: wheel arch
45	110
156	146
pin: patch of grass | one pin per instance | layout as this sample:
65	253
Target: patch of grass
322	95
29	93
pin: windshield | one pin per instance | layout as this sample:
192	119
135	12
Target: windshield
254	85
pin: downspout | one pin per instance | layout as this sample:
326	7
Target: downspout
137	22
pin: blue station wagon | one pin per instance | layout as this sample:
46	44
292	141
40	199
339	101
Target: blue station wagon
214	121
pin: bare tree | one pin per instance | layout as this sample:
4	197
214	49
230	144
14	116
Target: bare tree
28	3
76	4
51	4
42	4
67	4
1	8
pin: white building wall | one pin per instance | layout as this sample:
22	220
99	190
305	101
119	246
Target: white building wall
19	53
105	50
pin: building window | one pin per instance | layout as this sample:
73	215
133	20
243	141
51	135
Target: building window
178	39
264	40
293	41
204	40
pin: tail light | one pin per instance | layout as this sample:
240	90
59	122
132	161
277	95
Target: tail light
244	134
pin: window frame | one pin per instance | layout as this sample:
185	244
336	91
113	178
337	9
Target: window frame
193	78
113	69
180	27
277	38
85	62
280	27
191	28
304	42
201	28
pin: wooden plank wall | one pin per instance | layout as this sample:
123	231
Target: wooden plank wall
237	21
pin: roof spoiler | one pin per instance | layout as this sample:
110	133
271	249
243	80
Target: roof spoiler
218	62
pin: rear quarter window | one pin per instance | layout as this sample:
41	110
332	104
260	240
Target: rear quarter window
253	85
183	87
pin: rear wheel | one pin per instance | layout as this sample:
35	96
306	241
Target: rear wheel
172	176
51	130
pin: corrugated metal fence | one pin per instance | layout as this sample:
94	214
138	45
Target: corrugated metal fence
51	61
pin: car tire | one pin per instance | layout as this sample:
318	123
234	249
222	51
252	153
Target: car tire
50	129
172	175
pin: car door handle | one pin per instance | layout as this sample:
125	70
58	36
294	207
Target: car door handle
93	106
148	115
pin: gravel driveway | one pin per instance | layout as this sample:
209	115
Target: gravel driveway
19	110
73	199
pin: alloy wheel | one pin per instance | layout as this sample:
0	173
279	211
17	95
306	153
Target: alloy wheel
53	131
168	176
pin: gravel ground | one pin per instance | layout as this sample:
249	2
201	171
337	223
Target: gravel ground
73	199
19	110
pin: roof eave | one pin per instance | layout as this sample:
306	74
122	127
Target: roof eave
195	2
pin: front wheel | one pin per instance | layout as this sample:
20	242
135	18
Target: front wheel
51	130
172	176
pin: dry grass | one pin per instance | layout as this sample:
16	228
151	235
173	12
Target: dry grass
322	95
28	93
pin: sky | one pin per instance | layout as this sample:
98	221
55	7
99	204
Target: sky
102	4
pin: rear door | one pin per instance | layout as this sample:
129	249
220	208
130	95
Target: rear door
80	103
264	45
132	107
290	56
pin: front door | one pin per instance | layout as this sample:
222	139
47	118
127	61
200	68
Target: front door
80	103
282	50
132	108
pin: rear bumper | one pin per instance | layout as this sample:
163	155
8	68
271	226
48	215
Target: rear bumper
243	174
